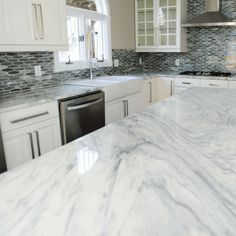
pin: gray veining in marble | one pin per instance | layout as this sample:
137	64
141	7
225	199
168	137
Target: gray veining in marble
169	171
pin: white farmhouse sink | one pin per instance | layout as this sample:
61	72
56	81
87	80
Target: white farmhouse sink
114	86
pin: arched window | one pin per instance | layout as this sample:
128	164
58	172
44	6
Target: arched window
89	35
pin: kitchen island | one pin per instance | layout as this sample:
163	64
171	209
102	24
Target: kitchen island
170	170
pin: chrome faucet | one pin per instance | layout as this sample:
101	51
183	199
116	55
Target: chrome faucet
94	61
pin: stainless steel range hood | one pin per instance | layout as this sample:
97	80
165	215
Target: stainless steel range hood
211	17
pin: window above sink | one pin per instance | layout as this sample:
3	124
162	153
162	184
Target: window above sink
89	36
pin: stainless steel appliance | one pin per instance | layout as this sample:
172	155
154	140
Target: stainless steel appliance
3	166
206	73
81	115
211	17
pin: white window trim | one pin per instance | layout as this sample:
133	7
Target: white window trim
60	67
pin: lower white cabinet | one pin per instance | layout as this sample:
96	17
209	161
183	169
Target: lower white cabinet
123	107
215	83
232	84
165	88
30	132
25	144
17	147
47	134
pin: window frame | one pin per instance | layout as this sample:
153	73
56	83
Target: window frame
87	14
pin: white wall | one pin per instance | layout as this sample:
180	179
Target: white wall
122	24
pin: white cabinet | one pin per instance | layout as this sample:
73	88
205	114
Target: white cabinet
165	88
150	91
214	83
123	107
113	111
181	84
17	147
158	25
232	84
32	25
47	134
29	133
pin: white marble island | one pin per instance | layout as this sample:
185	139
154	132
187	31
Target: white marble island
170	171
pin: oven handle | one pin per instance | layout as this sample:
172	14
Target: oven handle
78	107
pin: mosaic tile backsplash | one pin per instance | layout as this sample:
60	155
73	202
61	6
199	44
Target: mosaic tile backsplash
211	48
17	70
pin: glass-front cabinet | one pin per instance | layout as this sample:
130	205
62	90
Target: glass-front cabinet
158	25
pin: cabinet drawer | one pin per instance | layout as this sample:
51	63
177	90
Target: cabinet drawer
27	116
214	83
232	84
181	82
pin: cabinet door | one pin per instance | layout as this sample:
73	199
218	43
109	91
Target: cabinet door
133	104
46	136
145	22
52	22
215	83
165	89
232	84
167	23
147	93
18	147
16	22
113	111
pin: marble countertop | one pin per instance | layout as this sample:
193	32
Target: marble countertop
34	97
173	75
168	171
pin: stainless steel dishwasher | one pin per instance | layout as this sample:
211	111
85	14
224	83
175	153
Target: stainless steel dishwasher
81	115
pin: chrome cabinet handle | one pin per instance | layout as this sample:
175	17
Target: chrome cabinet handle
150	84
124	107
127	108
31	145
41	26
214	85
38	142
29	117
171	88
81	106
35	20
186	83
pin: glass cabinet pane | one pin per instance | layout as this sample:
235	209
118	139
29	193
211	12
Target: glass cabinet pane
149	15
149	3
150	40
167	18
141	40
141	28
141	15
163	3
141	4
172	14
172	2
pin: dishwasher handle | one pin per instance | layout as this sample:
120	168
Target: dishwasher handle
81	106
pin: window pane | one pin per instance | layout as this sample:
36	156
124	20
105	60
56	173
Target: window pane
74	45
94	39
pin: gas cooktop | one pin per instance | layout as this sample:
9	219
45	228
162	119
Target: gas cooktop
206	73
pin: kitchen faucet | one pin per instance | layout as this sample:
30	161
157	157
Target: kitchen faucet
94	61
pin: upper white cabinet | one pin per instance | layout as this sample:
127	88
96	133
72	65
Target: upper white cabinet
158	25
32	25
